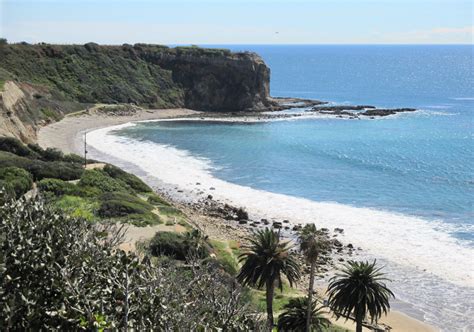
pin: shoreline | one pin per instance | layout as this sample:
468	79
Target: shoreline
65	135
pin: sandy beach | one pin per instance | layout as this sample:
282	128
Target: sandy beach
67	136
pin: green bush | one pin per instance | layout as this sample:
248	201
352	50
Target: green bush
55	169
133	181
19	179
119	204
6	192
77	207
156	200
13	145
178	246
101	180
169	244
57	187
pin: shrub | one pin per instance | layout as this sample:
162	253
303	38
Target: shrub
101	180
156	200
55	169
119	204
19	179
178	246
6	192
133	181
13	145
57	187
169	244
77	207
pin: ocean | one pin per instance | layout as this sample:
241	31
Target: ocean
402	187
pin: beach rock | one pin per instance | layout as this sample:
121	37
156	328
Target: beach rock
243	222
209	196
277	224
212	188
336	243
350	246
286	221
386	111
338	230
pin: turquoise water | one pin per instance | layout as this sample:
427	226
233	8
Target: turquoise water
402	187
419	164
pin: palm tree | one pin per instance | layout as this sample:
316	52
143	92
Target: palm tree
293	317
313	243
360	290
266	260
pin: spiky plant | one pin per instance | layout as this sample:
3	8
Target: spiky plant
313	244
360	291
265	261
293	317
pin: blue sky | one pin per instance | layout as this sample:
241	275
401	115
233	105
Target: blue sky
238	21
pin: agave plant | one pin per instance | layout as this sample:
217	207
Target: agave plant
266	260
293	317
360	290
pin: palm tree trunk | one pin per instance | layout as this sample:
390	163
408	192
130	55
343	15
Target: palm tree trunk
270	285
310	296
359	319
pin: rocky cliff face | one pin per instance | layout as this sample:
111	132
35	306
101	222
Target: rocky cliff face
235	82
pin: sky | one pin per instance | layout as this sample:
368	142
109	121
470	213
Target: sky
238	21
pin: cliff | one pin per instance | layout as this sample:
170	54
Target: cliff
40	83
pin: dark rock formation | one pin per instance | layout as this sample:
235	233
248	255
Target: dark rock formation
386	111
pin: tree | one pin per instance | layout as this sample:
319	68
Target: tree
293	317
313	244
359	290
266	260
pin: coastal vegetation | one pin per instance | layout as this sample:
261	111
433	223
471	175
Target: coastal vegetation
360	291
63	273
295	313
265	261
313	244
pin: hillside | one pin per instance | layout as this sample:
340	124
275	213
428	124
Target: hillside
40	83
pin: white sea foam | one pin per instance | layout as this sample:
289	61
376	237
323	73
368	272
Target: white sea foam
405	240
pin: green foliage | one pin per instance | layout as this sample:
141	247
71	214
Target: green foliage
57	187
225	257
13	145
101	180
157	200
18	179
131	180
94	73
293	317
77	207
128	208
7	192
177	246
56	169
360	290
265	261
63	273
